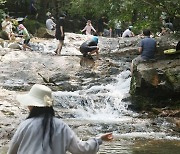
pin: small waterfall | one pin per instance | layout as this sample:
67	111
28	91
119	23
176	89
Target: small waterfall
102	102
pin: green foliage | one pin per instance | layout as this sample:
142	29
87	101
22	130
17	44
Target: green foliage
2	2
2	14
32	25
141	14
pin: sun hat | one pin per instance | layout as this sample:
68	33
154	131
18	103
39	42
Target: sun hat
21	26
95	39
39	95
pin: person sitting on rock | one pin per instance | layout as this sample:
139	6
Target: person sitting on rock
128	32
7	27
147	49
25	35
50	25
90	47
43	133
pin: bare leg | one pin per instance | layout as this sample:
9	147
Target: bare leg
95	51
59	47
24	47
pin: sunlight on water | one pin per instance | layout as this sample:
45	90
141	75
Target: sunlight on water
102	102
145	135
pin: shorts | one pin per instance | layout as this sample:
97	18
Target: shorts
59	37
85	50
26	41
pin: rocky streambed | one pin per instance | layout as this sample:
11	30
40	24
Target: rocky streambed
83	88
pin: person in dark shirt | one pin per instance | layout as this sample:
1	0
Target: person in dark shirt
178	46
59	34
90	47
101	25
33	9
147	49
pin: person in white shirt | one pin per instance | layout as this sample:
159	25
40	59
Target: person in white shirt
50	25
88	28
43	133
128	32
118	28
7	27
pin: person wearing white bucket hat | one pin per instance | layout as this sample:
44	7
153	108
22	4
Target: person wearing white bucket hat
43	133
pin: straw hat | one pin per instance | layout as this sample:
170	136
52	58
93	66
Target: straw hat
39	95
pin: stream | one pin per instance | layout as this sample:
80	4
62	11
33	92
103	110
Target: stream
101	105
101	109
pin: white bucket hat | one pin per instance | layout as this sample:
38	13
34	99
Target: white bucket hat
39	95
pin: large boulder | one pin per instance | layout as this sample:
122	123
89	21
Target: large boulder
45	33
3	35
156	83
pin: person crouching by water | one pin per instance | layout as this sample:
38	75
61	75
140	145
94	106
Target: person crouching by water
90	47
43	133
25	35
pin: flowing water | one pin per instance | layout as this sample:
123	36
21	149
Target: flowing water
100	108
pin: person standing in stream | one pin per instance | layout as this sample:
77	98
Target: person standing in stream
59	34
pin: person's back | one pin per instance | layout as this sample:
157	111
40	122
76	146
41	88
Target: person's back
42	133
31	140
127	33
148	48
50	25
90	46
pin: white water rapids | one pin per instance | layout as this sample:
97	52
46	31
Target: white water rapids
103	104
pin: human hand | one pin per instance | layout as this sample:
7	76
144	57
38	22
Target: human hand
107	137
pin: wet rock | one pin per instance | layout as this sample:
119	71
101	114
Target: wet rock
113	71
158	82
59	77
66	86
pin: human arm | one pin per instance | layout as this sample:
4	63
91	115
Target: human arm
132	34
61	30
140	47
84	29
91	146
140	50
93	29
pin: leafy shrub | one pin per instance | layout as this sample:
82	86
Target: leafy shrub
2	14
32	25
